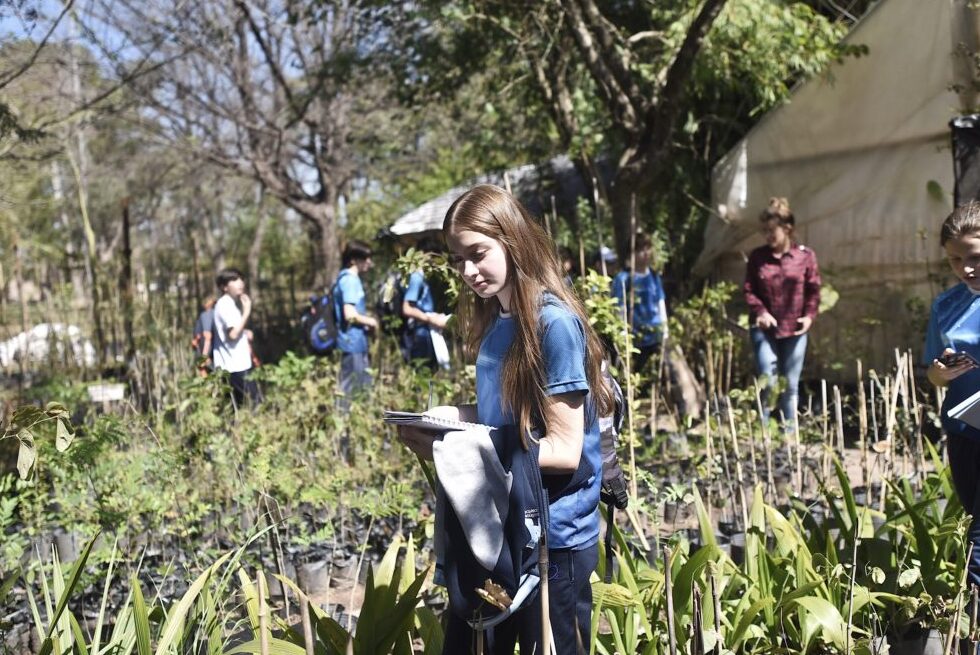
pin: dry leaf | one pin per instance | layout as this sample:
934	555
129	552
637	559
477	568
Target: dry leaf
495	595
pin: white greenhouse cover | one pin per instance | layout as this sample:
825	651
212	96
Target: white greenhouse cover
863	155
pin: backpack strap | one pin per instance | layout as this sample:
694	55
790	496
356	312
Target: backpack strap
610	523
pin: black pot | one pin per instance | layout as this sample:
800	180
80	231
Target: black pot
915	641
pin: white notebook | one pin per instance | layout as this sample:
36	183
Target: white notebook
435	423
968	411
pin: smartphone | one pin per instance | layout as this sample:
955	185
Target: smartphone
958	358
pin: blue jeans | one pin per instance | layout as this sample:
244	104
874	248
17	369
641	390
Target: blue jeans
780	357
354	376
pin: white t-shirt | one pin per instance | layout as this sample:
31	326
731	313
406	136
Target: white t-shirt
231	356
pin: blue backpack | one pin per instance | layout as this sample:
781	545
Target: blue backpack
319	324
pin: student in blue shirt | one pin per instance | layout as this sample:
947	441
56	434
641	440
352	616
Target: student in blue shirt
538	365
419	308
954	327
353	321
641	295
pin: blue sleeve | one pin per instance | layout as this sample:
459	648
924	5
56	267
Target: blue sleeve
934	342
416	287
351	289
207	321
563	350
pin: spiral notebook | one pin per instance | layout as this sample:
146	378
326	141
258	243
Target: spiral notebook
416	420
968	411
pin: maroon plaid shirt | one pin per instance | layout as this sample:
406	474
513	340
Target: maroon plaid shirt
788	287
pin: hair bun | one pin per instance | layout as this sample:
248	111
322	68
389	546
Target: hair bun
779	205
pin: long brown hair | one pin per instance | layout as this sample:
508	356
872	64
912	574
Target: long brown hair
532	269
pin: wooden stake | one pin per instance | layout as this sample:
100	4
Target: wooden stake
669	592
304	615
263	616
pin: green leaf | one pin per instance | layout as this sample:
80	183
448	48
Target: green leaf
175	621
26	455
70	587
877	575
276	647
79	635
332	634
935	190
909	577
827	618
64	436
430	630
141	619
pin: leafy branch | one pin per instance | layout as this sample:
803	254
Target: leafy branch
27	422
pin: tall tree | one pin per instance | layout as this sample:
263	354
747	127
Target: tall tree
640	82
291	94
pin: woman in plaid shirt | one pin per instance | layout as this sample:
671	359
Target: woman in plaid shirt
782	289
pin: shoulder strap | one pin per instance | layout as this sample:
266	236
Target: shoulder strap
609	542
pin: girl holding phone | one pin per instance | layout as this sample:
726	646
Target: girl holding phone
951	351
538	366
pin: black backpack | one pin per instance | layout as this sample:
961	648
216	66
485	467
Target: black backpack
613	491
319	324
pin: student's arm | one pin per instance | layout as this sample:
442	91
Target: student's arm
941	375
432	319
234	331
206	348
663	314
811	295
757	308
561	449
353	317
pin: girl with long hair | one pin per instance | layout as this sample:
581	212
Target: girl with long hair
538	366
952	350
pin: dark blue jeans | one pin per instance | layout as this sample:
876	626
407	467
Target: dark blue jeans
780	357
964	465
354	376
570	609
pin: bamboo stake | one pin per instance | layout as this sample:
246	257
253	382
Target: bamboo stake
954	623
798	447
738	463
263	616
839	422
824	427
722	447
552	216
766	444
581	254
304	615
668	591
973	619
697	605
716	604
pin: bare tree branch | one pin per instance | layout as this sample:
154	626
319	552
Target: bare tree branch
7	78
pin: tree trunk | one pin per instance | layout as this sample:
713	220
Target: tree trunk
255	250
126	286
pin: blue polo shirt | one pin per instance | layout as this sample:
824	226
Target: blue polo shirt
954	322
648	291
348	290
419	295
574	516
